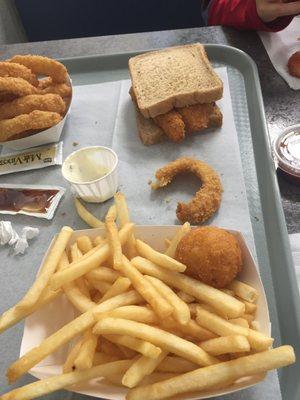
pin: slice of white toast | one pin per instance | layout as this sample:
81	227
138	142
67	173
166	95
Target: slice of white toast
173	77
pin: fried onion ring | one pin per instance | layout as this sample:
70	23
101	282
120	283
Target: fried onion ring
26	122
43	66
13	70
206	201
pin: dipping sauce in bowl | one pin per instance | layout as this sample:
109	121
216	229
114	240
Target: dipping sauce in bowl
92	172
286	149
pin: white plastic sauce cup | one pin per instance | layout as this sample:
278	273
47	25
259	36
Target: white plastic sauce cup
99	189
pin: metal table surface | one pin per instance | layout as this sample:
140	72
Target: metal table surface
281	102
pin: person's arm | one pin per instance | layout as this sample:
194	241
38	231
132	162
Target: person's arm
264	15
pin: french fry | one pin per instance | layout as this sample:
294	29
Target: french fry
190	329
50	385
146	290
84	244
49	345
139	345
225	345
69	363
240	322
135	313
47	270
109	348
76	254
13	315
112	213
88	262
85	357
207	294
165	340
218	375
193	308
182	231
141	367
102	287
80	301
96	296
103	274
159	258
248	317
98	240
228	291
102	358
222	327
123	216
127	352
86	216
156	377
114	242
119	286
176	365
181	311
186	297
244	291
66	333
167	243
250	308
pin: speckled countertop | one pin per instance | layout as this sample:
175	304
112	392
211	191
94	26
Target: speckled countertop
281	103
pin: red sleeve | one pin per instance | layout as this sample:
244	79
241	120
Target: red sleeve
242	14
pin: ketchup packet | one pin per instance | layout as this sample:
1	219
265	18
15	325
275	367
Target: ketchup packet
36	201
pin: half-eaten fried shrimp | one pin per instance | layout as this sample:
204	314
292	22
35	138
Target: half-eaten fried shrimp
207	200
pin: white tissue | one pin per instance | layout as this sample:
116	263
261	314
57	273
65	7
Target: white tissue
9	236
5	232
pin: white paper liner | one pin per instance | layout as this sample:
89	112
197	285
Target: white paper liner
51	210
280	46
47	320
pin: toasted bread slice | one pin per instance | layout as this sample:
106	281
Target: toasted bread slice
173	77
150	133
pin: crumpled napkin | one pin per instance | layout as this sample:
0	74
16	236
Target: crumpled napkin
280	46
20	242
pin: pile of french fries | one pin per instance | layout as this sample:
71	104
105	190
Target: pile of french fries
142	323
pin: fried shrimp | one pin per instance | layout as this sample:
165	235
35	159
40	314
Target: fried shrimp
199	116
13	70
43	66
45	82
16	86
61	89
172	124
26	122
206	201
27	104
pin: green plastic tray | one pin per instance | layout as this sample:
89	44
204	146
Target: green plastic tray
268	223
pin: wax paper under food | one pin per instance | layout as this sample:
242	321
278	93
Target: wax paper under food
103	114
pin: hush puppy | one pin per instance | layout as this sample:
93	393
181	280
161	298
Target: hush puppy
211	255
